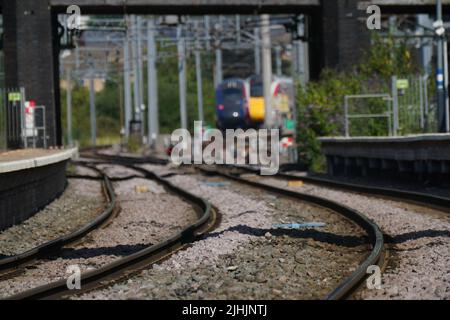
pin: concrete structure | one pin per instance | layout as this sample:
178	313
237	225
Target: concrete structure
344	34
29	180
31	57
419	155
403	6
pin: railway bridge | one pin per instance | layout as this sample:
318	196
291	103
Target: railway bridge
337	34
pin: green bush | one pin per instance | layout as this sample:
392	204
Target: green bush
320	103
320	114
169	104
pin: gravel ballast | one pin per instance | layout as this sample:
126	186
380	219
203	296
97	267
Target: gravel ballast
149	215
80	203
418	239
246	257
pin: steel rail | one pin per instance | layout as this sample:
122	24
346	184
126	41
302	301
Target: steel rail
375	235
413	197
208	218
135	160
92	153
416	198
13	262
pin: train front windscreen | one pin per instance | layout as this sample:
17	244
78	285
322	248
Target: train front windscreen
232	101
256	89
256	105
231	106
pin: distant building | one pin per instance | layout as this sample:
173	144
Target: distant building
99	84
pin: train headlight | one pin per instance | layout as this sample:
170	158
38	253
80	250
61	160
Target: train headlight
235	114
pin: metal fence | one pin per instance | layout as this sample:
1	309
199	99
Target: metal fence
21	125
14	109
368	113
35	131
416	111
407	108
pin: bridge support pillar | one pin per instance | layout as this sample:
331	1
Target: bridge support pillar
344	33
31	57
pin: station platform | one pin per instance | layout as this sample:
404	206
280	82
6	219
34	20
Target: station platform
421	156
29	180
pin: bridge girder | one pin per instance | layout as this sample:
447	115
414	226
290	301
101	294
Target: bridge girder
189	6
406	6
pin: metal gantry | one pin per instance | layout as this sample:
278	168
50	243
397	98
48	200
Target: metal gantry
211	34
92	110
127	85
441	73
69	107
152	83
181	49
199	79
267	69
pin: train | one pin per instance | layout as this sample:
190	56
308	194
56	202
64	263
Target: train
232	104
240	103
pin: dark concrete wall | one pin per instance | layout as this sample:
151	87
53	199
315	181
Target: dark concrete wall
421	156
31	59
345	36
24	192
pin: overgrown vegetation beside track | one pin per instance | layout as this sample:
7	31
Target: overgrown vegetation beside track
108	100
320	103
107	110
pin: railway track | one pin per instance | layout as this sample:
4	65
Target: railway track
124	267
415	227
440	203
95	153
10	265
349	284
379	253
423	199
372	230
